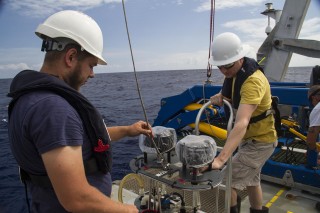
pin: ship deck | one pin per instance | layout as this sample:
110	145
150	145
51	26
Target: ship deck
278	198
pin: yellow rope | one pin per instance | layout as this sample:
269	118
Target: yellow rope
261	60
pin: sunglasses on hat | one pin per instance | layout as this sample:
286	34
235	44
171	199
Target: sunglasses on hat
227	66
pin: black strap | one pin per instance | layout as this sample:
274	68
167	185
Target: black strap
274	111
90	167
276	115
263	115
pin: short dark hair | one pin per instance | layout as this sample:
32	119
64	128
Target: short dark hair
55	54
313	90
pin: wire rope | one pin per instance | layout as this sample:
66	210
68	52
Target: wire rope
160	155
134	67
209	66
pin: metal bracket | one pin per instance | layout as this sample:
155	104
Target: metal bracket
288	179
309	48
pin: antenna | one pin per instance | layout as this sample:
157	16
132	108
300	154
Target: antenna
271	13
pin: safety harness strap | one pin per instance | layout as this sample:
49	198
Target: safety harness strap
263	115
273	111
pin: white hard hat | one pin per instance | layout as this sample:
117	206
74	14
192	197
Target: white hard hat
227	48
77	26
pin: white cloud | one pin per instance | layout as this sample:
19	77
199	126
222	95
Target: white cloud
10	70
36	8
120	61
183	60
10	67
252	28
179	2
252	32
303	61
224	4
14	60
311	29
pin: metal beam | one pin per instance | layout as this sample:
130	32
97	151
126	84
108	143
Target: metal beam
289	26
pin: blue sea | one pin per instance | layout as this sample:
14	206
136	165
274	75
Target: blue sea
116	97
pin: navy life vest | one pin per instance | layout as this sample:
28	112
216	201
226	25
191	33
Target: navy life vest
250	66
29	81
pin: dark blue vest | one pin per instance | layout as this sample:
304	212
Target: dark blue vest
249	66
28	81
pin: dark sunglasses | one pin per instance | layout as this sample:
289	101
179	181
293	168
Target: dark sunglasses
227	66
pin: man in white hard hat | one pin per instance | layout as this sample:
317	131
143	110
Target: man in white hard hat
314	125
57	136
249	91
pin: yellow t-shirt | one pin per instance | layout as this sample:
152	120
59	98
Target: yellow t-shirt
256	90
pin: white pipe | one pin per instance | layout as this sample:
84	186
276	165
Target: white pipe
199	116
229	164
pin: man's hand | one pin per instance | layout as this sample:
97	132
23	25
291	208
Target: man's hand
131	208
217	99
140	127
216	164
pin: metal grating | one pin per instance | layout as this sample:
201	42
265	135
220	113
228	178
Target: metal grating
207	197
290	156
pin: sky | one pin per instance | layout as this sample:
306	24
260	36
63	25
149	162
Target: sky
164	34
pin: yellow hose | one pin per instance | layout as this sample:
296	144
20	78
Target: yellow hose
289	123
195	106
124	180
211	130
204	127
298	134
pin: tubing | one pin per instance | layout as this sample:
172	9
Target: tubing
204	127
196	106
204	106
124	180
229	164
301	136
211	130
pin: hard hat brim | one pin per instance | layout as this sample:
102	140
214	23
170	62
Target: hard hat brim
245	50
76	26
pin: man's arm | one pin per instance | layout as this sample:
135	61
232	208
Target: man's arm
240	127
118	132
217	99
312	136
66	171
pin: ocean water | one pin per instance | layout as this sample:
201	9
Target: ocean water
116	97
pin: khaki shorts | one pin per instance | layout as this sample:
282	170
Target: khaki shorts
248	161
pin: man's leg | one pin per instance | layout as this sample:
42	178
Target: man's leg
233	197
255	196
235	202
